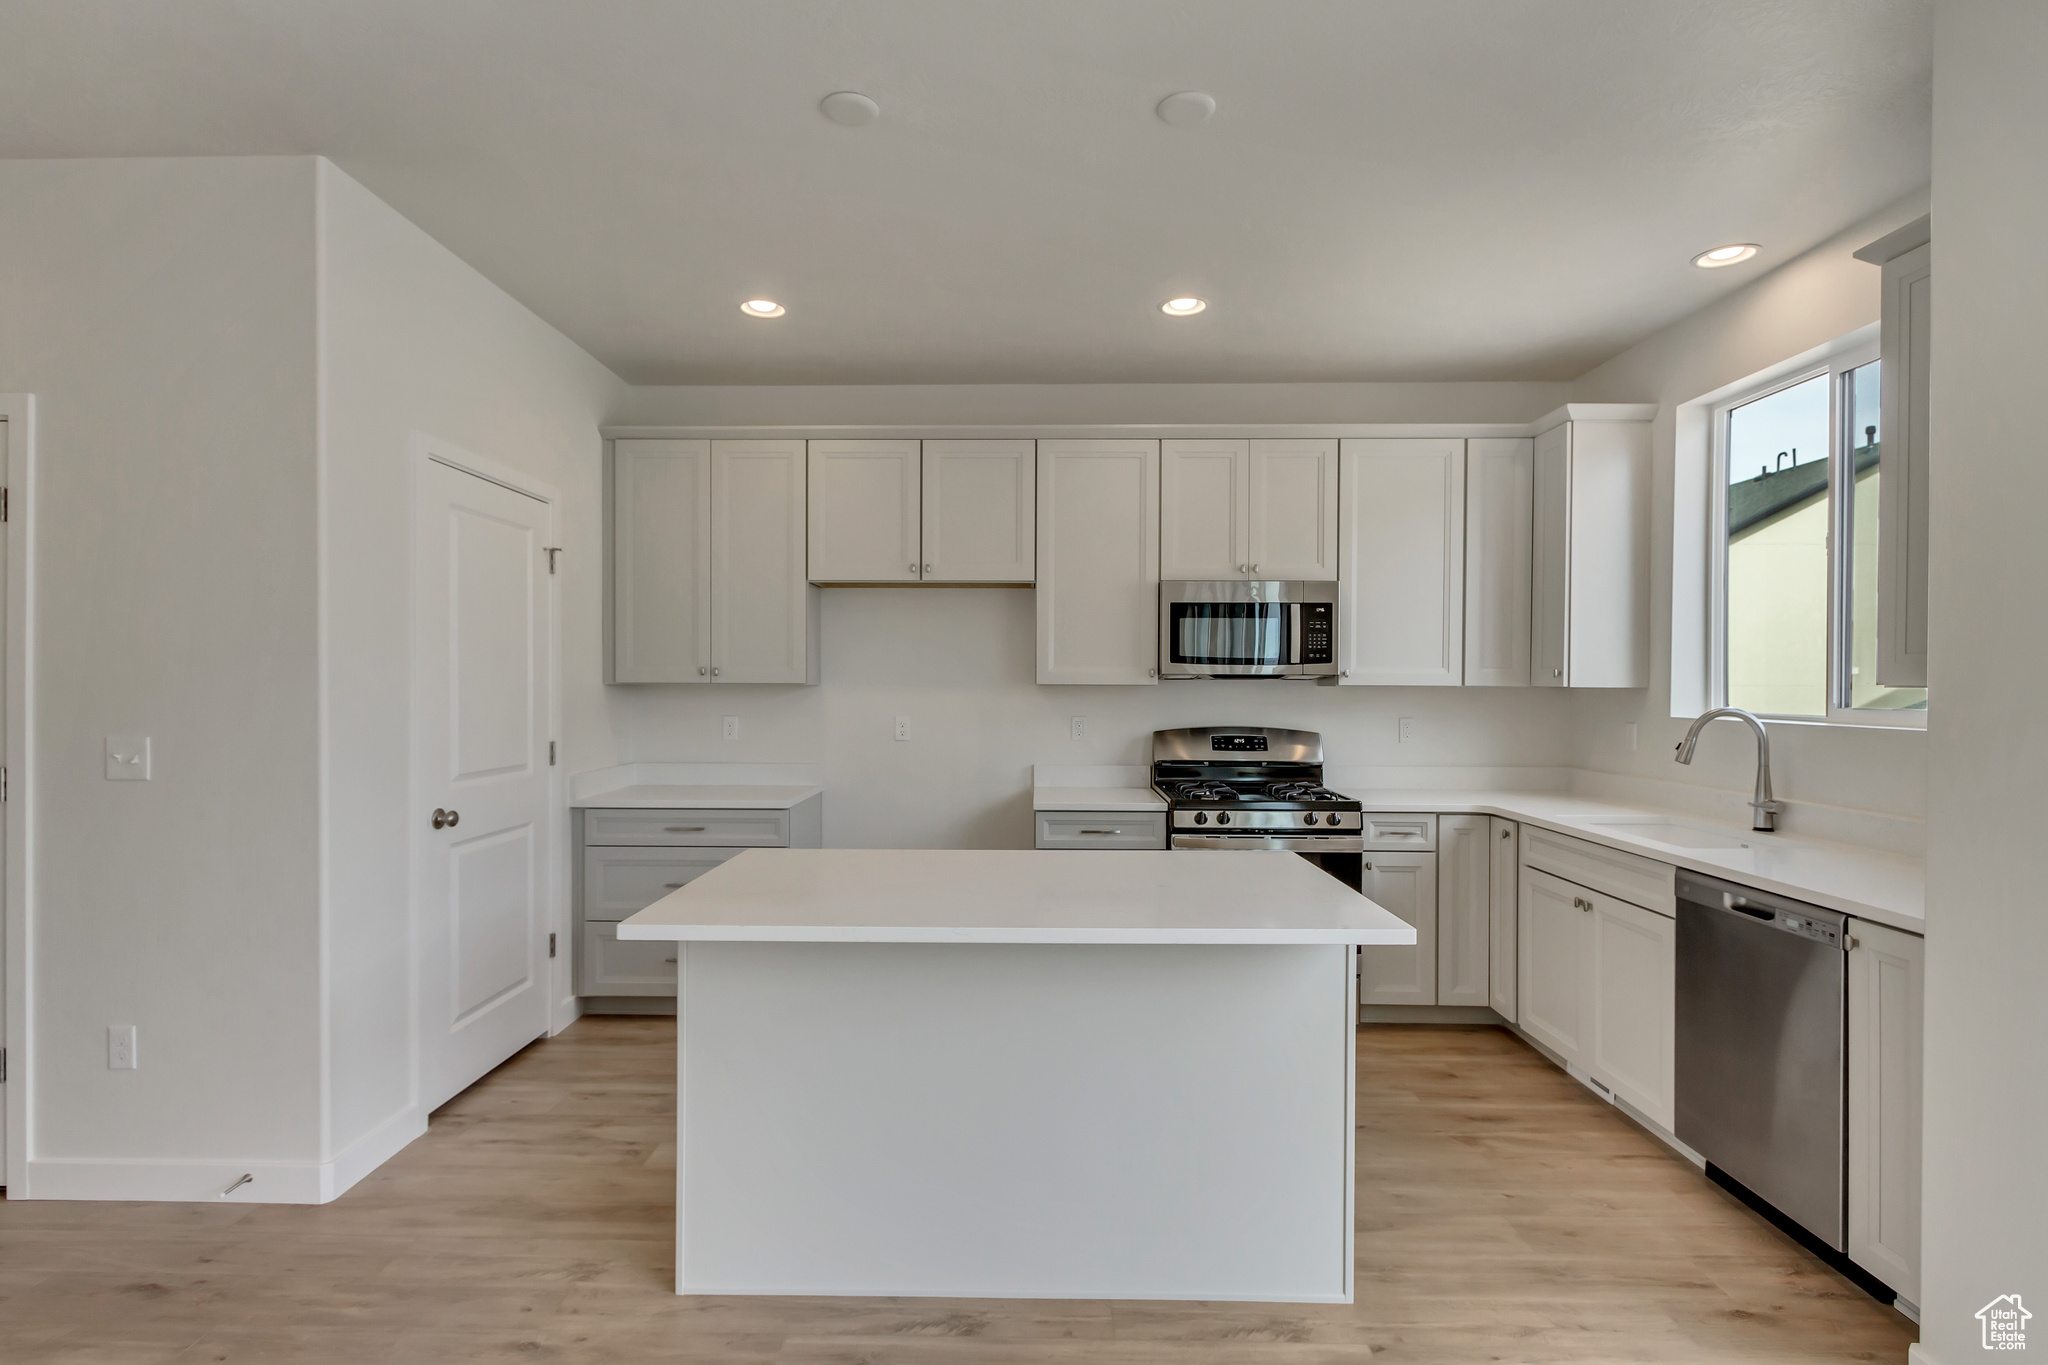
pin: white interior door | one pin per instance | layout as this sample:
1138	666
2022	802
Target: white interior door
480	715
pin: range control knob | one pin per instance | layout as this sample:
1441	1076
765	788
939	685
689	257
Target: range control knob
1309	819
1223	818
1201	818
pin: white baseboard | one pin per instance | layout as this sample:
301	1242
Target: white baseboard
203	1181
1916	1354
1427	1014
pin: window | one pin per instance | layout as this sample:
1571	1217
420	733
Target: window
1799	468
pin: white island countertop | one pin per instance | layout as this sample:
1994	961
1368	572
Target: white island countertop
698	796
860	895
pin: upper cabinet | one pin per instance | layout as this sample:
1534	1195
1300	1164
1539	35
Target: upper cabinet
1262	509
1905	256
1401	557
1590	607
980	512
707	561
1499	497
864	513
1098	561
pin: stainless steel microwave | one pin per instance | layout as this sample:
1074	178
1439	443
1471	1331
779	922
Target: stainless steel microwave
1239	628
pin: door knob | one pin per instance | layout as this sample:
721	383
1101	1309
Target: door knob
446	819
701	670
714	672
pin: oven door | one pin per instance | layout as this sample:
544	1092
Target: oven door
1229	629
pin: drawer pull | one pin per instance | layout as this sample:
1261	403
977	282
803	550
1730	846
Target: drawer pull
682	829
1101	831
675	886
670	961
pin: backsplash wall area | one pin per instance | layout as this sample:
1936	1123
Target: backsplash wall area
960	663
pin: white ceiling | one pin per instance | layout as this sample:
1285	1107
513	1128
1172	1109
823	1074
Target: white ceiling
1390	189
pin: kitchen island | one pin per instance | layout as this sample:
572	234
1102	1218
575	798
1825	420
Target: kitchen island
1109	1075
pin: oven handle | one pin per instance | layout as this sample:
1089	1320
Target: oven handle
1294	632
1274	843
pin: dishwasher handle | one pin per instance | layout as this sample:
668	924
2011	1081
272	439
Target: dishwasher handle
1741	906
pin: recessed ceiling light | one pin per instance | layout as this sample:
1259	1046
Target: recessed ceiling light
762	308
849	109
1183	307
1187	108
1733	254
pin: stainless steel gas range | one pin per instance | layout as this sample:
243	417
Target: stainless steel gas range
1252	788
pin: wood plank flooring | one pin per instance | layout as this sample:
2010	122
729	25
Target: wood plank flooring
1503	1215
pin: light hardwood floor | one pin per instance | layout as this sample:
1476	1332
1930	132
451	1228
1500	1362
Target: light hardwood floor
1503	1214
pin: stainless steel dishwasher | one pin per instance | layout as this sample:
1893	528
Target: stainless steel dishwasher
1761	1078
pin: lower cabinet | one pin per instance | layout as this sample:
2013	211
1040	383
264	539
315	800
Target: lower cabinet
1505	843
1597	985
612	966
1464	908
1405	883
1885	976
1100	828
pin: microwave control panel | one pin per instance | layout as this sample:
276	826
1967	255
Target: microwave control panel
1316	619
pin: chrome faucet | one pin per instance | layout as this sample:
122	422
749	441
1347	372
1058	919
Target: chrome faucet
1764	807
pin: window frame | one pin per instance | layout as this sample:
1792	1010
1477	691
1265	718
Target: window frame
1838	361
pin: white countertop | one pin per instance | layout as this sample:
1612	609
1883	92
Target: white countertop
860	895
697	796
1885	888
1096	798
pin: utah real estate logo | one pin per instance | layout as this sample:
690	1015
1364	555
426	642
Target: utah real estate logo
2005	1323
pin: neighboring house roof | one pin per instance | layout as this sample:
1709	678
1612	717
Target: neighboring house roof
1769	494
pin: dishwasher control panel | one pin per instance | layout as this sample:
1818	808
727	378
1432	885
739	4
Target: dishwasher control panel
1820	931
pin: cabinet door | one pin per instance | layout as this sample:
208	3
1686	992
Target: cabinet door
1550	992
1401	551
631	967
1885	976
1464	904
1632	970
1291	506
980	511
1405	883
661	561
1203	517
1505	839
1499	521
763	608
1902	471
1549	606
1607	618
864	522
1098	561
618	882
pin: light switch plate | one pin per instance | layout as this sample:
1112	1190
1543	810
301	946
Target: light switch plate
127	758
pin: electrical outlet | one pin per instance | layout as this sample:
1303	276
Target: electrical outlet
1628	736
1408	730
732	727
120	1047
127	758
1080	728
902	727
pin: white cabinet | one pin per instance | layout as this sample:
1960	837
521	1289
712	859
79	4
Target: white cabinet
1598	987
1885	985
1550	987
1590	608
1401	553
864	513
1098	561
1632	975
1499	521
1464	908
980	512
707	560
1405	883
1248	509
1504	838
1904	336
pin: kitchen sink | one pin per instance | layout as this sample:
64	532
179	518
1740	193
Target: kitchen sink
1670	832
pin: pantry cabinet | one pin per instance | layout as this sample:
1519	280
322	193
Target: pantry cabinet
1499	522
865	522
1263	509
1590	593
1505	847
1098	561
707	559
1406	884
1886	969
980	502
1464	906
1401	556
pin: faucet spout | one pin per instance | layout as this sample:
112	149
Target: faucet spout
1763	806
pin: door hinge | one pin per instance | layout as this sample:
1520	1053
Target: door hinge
551	753
551	551
551	945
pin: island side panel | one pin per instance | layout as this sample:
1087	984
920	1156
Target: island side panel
1016	1120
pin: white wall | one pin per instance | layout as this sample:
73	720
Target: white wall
1986	1172
415	341
162	313
1808	302
959	663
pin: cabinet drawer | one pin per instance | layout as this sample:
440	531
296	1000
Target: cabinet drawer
630	967
1399	833
687	828
1102	829
623	881
1628	876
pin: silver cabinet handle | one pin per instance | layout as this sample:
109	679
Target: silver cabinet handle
1504	834
1101	831
682	829
1557	673
927	568
675	886
1255	568
1151	672
701	670
1368	867
714	672
913	568
671	961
